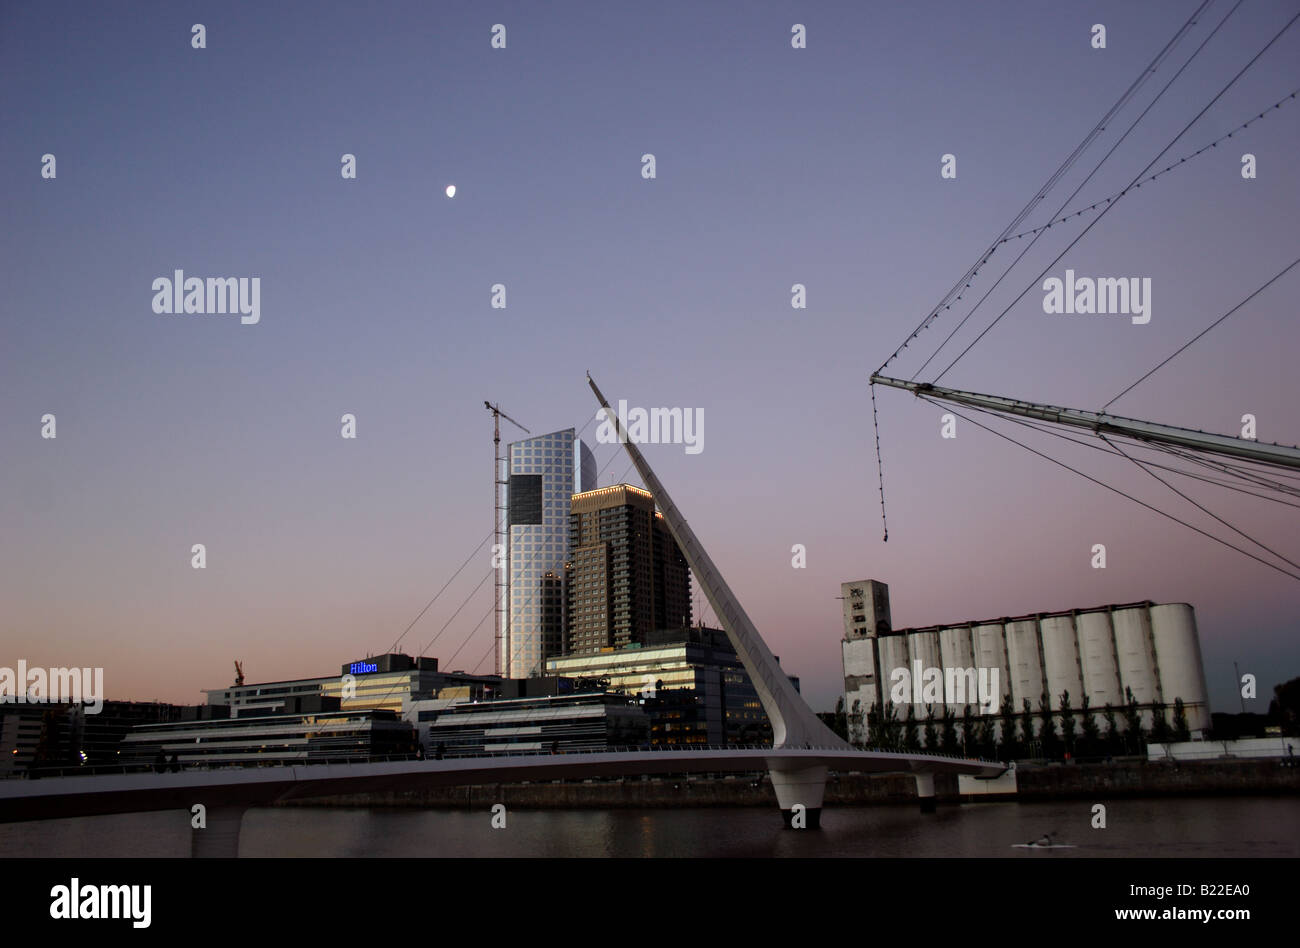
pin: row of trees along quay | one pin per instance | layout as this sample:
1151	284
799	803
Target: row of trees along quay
1010	734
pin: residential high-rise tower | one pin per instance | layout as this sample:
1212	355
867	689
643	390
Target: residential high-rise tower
626	576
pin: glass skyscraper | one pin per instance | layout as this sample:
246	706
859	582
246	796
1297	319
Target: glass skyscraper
544	474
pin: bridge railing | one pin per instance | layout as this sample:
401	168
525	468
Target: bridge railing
136	768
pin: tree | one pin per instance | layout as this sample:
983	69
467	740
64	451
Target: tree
1090	741
839	720
986	744
1067	722
910	740
948	734
1284	709
1048	732
1133	735
1008	714
873	726
931	739
1113	741
891	727
1027	726
855	724
1181	731
1160	733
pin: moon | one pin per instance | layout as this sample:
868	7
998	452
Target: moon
451	190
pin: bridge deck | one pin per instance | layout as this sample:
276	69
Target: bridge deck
95	795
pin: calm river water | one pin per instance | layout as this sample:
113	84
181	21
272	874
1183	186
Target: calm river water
1184	827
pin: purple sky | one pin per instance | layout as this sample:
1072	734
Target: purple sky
775	166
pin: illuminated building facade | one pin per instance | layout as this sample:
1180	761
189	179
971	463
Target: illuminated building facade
544	473
626	576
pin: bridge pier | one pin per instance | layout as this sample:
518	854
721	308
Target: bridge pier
925	791
803	786
219	838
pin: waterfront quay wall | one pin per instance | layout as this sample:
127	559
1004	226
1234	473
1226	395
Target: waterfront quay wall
1134	778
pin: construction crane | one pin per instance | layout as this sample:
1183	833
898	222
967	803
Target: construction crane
499	510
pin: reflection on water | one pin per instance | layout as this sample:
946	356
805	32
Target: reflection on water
1249	827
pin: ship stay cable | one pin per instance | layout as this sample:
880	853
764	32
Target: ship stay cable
1098	219
1042	192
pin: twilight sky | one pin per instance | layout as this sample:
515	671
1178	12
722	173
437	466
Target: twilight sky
774	166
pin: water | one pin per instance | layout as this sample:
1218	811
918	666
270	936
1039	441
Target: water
1249	827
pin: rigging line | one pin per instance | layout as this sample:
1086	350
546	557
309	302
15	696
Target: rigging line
880	469
1051	182
1135	181
1204	510
1082	184
1162	171
1250	477
1247	476
1049	428
1116	490
1187	344
1243	471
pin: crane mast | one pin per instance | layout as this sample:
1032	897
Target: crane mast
498	551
